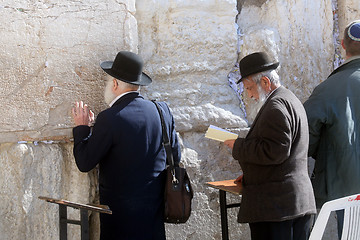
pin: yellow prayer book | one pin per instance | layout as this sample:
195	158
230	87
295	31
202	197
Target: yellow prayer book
219	134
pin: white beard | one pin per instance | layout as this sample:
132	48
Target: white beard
109	96
260	102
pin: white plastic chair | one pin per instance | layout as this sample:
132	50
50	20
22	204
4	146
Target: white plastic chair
351	228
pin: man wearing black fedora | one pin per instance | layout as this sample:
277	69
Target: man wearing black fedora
126	143
277	197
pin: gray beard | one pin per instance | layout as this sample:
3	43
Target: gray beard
262	98
256	105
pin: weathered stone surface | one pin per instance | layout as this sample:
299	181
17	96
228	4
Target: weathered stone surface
29	171
302	40
189	47
50	58
348	11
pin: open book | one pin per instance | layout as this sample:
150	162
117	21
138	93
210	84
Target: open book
219	134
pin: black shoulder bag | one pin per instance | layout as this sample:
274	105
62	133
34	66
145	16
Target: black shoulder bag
178	192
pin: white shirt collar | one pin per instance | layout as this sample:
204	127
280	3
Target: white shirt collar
118	97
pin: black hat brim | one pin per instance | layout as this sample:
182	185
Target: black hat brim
142	80
260	69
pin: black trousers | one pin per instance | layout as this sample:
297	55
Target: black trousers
294	229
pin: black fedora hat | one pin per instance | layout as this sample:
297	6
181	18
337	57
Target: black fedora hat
255	63
127	67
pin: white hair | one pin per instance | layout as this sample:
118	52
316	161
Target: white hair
127	86
109	96
271	74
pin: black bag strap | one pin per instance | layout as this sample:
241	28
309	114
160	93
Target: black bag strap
165	137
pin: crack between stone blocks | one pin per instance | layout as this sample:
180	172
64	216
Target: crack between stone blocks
125	7
234	74
127	17
22	10
337	60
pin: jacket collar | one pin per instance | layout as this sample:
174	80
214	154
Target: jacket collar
128	96
118	97
347	64
352	58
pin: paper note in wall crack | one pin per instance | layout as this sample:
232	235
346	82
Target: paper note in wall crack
219	134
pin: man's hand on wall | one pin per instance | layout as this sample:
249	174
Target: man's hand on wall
82	115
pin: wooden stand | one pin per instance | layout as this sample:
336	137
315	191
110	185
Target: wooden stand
84	216
226	186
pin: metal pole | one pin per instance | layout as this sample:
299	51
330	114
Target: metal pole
223	212
63	222
84	218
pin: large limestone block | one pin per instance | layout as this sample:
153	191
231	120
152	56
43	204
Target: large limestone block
189	47
348	11
299	34
50	58
29	171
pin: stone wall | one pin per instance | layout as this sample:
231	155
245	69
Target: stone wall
50	58
189	48
29	171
